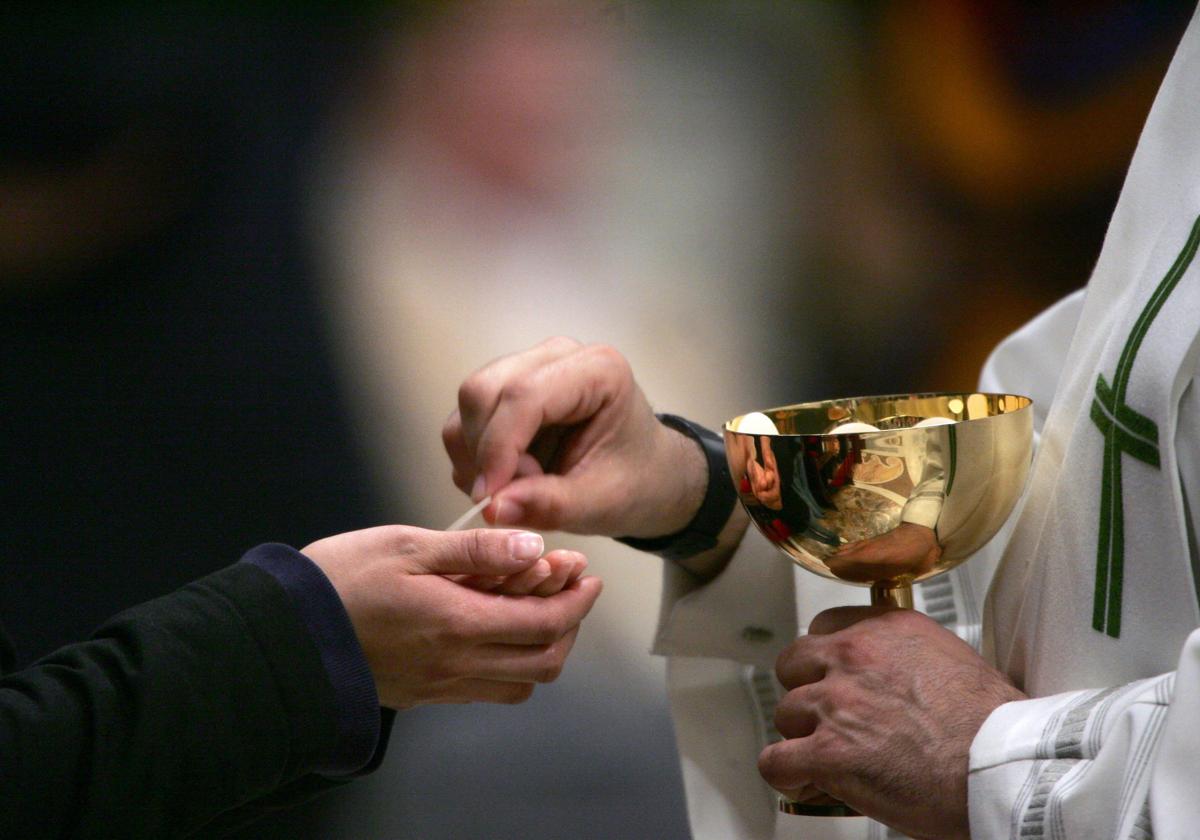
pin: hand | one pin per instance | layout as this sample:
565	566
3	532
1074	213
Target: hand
882	707
429	639
564	439
764	480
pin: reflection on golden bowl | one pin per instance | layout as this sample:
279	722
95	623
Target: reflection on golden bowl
912	493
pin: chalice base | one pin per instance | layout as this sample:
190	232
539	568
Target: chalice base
817	809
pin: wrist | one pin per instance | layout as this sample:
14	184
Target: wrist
697	496
682	466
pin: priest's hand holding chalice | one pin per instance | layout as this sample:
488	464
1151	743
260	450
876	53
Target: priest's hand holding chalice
881	491
882	702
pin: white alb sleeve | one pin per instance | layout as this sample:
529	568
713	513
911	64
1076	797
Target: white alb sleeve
1116	762
746	614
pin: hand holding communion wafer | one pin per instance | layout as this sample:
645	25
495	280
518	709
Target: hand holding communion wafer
563	438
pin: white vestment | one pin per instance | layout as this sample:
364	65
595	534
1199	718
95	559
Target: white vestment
1091	597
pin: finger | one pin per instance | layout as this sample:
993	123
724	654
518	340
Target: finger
480	551
797	714
482	393
543	502
581	564
462	462
566	391
531	620
768	454
802	662
483	583
528	465
839	618
521	663
463	471
786	765
563	563
524	583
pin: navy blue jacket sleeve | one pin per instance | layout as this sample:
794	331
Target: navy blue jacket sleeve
178	714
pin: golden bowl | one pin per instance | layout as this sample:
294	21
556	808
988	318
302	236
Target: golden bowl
882	491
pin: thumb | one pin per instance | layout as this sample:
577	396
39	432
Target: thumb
839	618
478	552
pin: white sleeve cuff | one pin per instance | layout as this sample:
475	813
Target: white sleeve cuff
746	613
1069	765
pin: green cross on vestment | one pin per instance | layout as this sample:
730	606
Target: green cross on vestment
1126	432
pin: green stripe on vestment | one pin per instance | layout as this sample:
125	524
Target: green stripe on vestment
1126	432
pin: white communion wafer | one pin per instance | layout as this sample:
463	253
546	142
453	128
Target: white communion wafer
853	427
756	423
935	421
472	512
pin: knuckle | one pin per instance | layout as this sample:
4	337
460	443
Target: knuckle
560	343
828	756
452	429
483	545
515	390
833	700
851	650
401	540
549	672
610	358
475	393
476	544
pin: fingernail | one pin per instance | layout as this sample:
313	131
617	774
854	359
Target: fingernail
479	488
507	512
526	545
541	569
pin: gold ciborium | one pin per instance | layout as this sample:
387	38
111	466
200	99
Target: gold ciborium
881	491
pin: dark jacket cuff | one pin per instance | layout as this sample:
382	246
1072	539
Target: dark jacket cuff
361	740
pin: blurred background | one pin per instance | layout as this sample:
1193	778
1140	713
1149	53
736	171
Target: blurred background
247	256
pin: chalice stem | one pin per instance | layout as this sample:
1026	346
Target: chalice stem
892	593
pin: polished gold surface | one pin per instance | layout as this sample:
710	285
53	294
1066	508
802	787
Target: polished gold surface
889	507
881	491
